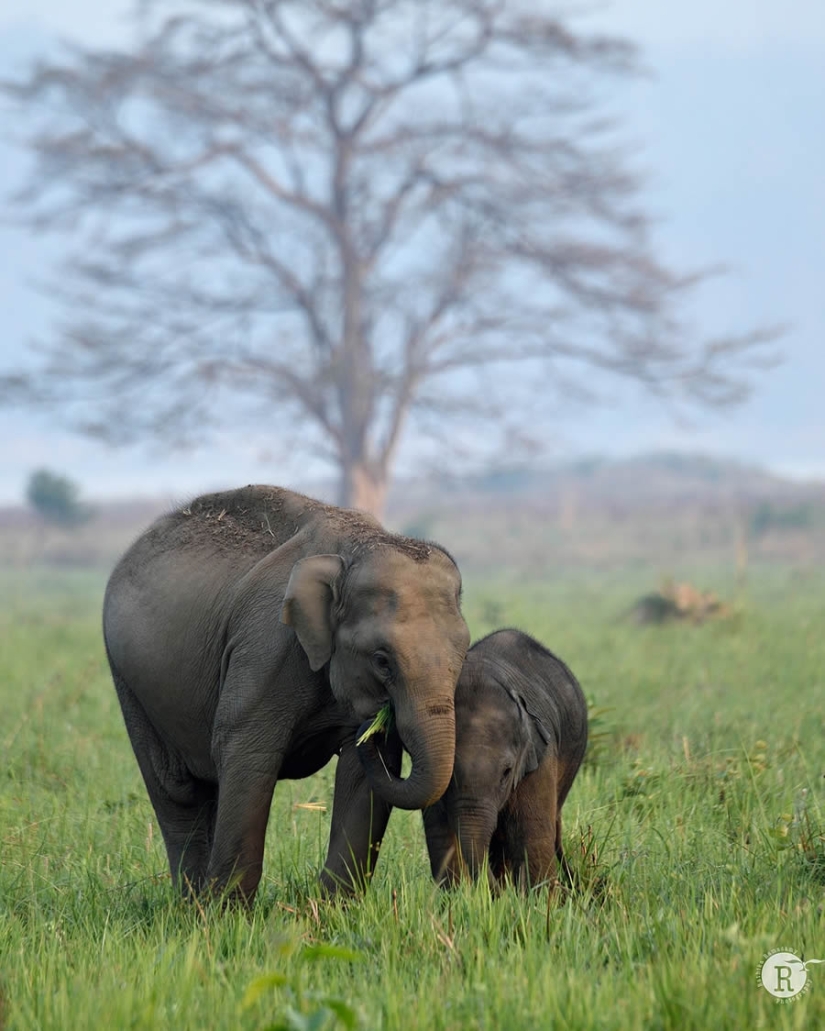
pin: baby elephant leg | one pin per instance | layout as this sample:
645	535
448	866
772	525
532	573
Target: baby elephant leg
533	828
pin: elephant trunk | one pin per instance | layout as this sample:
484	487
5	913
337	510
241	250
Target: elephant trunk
474	828
427	731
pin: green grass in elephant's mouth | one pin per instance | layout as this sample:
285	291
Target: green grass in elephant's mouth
381	724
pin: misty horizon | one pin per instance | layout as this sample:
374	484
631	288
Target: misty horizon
730	129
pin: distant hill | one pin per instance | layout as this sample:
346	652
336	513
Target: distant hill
655	478
662	509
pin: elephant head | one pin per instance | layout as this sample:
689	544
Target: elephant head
388	622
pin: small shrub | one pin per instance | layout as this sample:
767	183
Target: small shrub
302	1009
767	516
55	498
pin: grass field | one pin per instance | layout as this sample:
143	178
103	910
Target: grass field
697	830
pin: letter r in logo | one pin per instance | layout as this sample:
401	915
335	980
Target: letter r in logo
783	974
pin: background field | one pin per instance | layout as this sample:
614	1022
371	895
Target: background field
697	828
655	511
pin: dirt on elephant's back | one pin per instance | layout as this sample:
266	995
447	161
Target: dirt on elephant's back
259	518
253	518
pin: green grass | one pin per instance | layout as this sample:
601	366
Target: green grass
697	831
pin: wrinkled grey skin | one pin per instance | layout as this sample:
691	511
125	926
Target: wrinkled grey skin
521	734
249	634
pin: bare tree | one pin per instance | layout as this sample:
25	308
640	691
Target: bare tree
329	215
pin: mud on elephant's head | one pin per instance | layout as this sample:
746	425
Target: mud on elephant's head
388	621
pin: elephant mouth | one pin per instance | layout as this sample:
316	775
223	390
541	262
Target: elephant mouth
379	725
367	709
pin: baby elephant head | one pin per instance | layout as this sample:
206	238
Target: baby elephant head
514	703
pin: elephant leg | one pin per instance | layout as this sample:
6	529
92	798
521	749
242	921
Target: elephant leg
187	828
441	845
359	820
250	740
532	827
244	800
185	806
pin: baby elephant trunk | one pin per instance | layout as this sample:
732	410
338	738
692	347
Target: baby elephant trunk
474	827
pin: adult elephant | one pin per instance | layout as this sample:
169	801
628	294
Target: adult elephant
249	633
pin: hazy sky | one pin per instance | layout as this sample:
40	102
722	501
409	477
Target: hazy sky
732	130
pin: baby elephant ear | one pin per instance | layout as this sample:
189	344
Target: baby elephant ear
310	595
537	738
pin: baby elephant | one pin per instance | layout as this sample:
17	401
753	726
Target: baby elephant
521	733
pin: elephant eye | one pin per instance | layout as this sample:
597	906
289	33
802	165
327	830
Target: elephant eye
383	665
507	771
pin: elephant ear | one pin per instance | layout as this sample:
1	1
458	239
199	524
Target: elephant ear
535	737
310	595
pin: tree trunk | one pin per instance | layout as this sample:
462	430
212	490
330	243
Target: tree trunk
363	487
